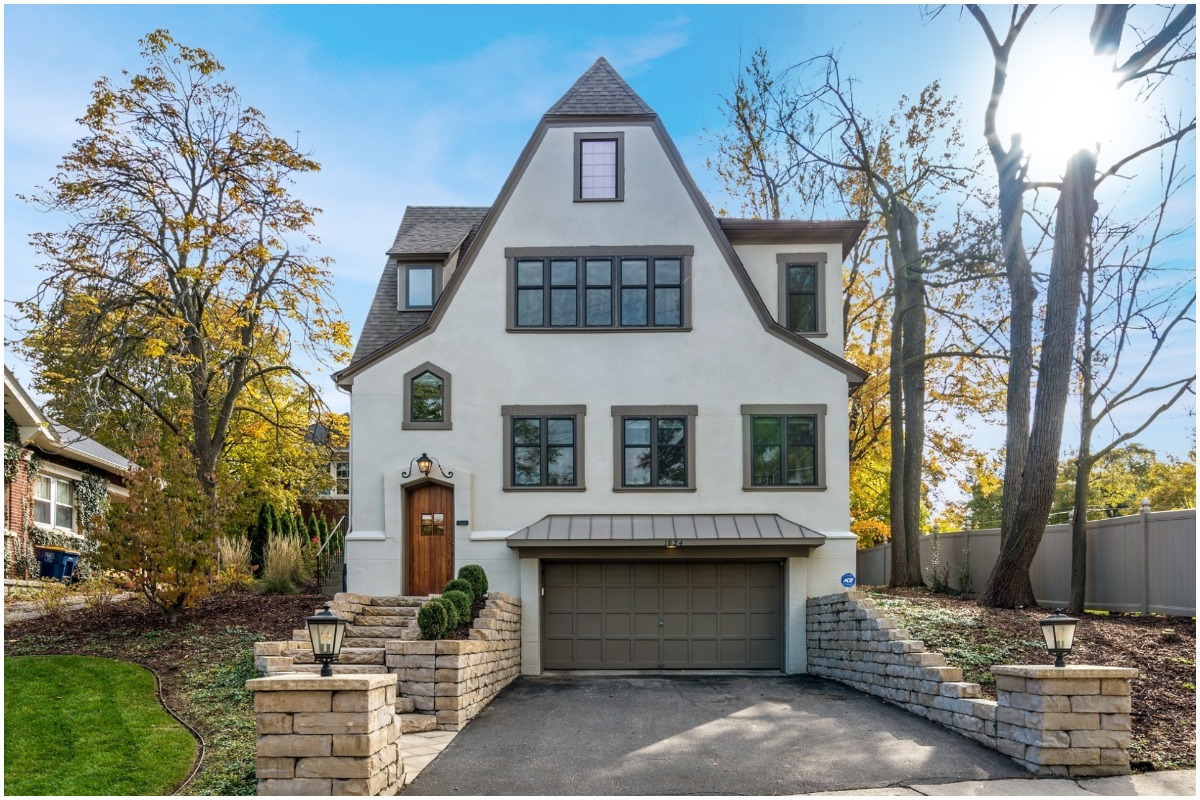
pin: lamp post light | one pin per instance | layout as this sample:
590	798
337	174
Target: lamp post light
325	630
1059	632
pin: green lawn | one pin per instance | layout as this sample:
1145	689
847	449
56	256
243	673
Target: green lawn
78	725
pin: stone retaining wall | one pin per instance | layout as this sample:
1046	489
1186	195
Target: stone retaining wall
1071	722
456	679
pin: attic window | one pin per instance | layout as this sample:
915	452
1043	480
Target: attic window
599	166
418	286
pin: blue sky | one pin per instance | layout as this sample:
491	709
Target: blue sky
431	105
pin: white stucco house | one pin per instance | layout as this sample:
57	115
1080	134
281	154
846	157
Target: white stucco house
638	410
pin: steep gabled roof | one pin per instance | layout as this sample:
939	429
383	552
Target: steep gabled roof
426	232
600	92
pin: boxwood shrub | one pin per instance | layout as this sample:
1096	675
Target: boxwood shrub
462	604
461	585
474	574
433	620
452	619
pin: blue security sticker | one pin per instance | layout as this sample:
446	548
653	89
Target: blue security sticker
848	580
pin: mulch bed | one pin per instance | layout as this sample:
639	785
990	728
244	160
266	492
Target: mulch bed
1164	695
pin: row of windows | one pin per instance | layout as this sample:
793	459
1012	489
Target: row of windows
616	291
654	447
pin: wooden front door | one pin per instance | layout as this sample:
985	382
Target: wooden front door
430	538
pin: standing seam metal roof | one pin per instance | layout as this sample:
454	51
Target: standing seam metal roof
624	529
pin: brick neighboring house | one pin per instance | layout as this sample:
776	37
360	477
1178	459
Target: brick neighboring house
44	464
334	504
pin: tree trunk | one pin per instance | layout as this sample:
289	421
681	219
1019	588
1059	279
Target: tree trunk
913	323
900	565
1083	469
1008	585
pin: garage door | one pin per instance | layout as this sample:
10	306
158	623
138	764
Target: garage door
629	615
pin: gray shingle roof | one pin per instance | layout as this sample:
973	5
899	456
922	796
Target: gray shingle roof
600	91
75	442
425	230
434	229
603	530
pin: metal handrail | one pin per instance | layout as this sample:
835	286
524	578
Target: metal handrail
332	533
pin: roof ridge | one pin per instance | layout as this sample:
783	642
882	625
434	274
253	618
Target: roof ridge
600	91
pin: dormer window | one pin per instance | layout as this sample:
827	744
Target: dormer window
599	166
802	292
418	286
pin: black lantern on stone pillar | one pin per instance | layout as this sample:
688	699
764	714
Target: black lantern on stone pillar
1059	633
325	630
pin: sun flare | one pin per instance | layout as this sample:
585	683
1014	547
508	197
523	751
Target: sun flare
1061	105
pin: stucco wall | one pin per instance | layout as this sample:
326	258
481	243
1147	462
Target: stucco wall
762	266
726	360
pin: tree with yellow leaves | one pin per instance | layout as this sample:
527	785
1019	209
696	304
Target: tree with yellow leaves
183	281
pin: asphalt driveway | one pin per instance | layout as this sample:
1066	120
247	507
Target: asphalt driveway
697	735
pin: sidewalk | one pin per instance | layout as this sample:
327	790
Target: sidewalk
1176	783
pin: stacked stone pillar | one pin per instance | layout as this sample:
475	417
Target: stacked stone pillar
1071	721
327	736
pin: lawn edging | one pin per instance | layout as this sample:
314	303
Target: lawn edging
1064	722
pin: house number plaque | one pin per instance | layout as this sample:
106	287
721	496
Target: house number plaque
433	524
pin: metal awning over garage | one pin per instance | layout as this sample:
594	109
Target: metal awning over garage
656	530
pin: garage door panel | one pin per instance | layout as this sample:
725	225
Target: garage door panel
618	598
674	624
734	625
561	625
618	574
618	625
646	624
559	575
733	598
646	598
704	624
647	651
675	598
587	598
587	573
674	615
763	624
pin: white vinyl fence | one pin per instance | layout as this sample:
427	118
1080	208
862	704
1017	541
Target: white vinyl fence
1145	562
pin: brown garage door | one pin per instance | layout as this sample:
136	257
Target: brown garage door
630	615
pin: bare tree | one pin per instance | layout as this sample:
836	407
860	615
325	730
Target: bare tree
1132	310
1033	443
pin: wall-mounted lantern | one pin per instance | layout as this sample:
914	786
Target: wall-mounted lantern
424	464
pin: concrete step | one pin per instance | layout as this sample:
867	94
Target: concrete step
358	642
349	655
405	705
344	669
417	723
399	621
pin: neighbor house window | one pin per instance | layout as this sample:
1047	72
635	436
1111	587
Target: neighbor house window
426	398
654	447
645	289
54	502
599	166
801	292
543	447
341	477
784	446
418	286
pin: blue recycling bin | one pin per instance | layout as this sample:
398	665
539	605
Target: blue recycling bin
57	563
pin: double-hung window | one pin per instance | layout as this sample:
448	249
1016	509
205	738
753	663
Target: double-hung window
654	447
784	447
543	447
599	292
54	502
